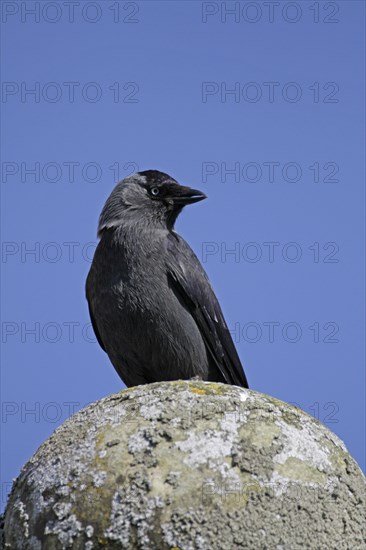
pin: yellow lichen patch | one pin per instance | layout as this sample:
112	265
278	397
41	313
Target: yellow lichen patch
338	458
248	489
298	470
262	434
131	388
91	499
216	388
276	401
99	444
199	391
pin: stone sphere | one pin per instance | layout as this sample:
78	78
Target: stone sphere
185	466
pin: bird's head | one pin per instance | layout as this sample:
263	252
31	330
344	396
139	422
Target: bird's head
150	196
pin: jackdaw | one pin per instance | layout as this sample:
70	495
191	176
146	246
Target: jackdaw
150	301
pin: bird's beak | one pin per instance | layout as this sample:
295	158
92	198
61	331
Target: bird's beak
186	195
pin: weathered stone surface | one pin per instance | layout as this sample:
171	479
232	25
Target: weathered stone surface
188	465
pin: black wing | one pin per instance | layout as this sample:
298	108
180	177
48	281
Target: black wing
191	284
93	321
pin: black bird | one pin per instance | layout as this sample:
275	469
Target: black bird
150	301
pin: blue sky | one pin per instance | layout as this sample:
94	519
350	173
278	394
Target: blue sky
262	109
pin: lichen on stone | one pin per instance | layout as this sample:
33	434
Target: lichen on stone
188	465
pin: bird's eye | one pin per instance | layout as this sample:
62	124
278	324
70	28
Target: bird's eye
154	191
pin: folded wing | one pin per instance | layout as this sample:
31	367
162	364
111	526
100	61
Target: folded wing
190	283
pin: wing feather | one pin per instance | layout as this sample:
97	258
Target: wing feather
191	284
94	323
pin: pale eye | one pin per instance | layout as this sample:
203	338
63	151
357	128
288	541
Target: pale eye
154	191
